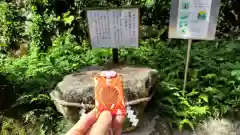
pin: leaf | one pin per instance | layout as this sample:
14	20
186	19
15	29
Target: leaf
235	73
231	82
185	121
219	96
223	79
210	76
34	8
233	45
194	73
1	45
176	94
52	60
169	99
149	3
184	101
204	97
66	14
193	93
223	109
181	113
77	48
210	90
68	20
199	110
78	18
161	31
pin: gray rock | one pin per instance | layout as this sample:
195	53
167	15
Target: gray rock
152	124
219	127
156	125
78	87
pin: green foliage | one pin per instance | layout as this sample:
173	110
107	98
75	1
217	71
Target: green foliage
36	74
213	85
11	26
56	35
18	127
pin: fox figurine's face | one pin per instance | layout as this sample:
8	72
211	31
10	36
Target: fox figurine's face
109	93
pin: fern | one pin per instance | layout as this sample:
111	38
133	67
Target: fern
185	121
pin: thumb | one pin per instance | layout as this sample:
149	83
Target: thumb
103	124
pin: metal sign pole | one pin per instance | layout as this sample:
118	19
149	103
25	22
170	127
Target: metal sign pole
187	63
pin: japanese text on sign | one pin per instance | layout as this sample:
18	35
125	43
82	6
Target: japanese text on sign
114	28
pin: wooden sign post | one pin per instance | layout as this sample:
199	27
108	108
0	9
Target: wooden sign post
115	55
114	28
193	19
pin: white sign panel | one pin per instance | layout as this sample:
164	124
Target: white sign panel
194	19
114	28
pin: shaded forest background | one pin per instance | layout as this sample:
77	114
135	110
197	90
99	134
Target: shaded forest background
43	40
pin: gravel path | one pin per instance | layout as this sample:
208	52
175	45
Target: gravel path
155	125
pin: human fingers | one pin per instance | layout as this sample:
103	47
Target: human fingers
118	124
103	124
90	129
82	126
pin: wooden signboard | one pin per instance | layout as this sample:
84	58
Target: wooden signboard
114	28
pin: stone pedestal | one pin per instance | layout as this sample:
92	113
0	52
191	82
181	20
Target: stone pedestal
77	89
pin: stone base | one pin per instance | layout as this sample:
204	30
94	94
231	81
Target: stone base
78	88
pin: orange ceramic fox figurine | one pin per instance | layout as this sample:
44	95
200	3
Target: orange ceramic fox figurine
109	93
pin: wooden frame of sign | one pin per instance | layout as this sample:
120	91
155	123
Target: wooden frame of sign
114	28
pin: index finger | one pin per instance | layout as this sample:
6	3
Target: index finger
82	126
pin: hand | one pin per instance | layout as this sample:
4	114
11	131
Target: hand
90	125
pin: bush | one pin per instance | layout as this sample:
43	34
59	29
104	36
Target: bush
36	74
213	81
